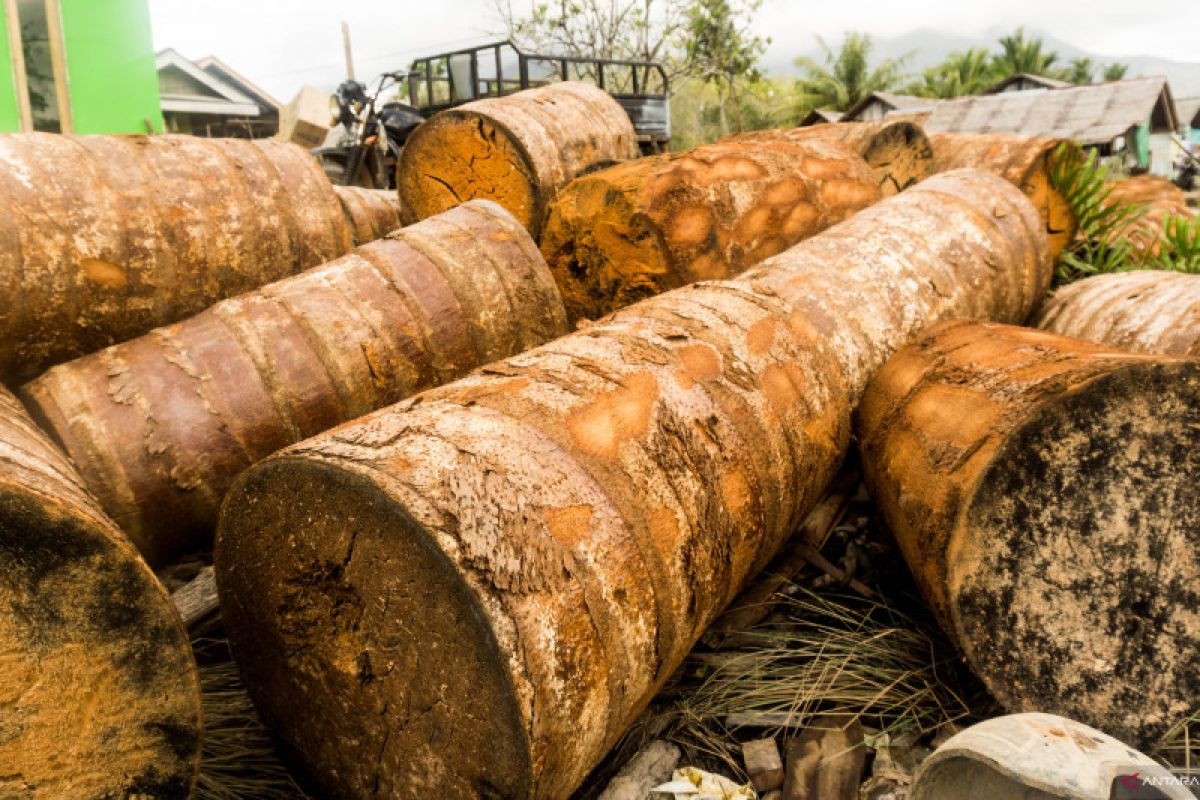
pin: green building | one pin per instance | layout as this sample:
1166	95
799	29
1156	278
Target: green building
78	66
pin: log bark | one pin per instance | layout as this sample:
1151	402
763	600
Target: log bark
1043	490
637	229
1144	311
1026	161
98	687
159	426
106	237
517	150
523	557
1160	199
898	152
370	213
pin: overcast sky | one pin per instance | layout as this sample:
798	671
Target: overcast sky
282	44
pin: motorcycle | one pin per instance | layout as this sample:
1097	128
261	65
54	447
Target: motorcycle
1186	170
368	149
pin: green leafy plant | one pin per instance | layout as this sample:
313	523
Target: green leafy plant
1180	248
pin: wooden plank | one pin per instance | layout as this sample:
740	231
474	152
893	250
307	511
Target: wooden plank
17	55
58	60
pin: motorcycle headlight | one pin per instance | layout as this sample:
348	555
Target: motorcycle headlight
335	110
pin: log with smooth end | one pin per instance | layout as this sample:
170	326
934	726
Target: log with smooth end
159	426
1043	490
1144	311
523	557
104	237
370	213
897	151
1159	199
99	695
637	229
518	150
1026	161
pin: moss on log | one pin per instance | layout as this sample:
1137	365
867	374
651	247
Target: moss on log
517	150
1145	311
637	229
99	695
106	237
1026	161
523	557
1043	490
159	426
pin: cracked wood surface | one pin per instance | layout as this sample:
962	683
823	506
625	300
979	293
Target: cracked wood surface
1043	491
159	426
517	150
1145	311
106	237
522	558
634	230
99	695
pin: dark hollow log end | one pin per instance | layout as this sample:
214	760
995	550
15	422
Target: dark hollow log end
1073	587
900	156
459	157
93	660
361	644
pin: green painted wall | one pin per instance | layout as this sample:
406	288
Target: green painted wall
110	66
10	116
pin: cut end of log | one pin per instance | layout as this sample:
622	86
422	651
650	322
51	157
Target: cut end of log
98	687
409	673
1043	490
517	150
370	213
1076	582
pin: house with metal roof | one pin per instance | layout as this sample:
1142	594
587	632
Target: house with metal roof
878	105
1187	110
208	98
1026	82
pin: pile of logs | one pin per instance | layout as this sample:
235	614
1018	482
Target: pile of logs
488	478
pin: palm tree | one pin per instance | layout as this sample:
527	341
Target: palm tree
962	73
1115	71
1018	54
1081	71
846	77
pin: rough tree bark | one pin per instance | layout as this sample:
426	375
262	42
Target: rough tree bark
522	558
104	237
99	695
898	152
159	426
1145	311
1024	160
370	213
518	150
1160	198
637	229
1043	490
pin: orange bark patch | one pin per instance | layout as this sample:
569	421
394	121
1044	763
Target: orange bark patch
754	224
735	490
846	193
691	225
664	530
761	336
569	525
782	386
105	273
784	193
599	427
800	220
700	363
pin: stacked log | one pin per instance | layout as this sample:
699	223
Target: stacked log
98	686
897	151
523	557
1144	311
106	237
1043	491
159	426
370	213
517	150
1159	199
637	229
1026	161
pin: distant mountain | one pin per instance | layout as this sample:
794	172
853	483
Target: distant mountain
927	47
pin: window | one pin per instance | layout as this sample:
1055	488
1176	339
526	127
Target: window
35	35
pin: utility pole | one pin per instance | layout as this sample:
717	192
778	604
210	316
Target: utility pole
346	48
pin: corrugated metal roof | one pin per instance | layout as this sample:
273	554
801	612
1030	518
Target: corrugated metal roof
894	102
1091	115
